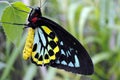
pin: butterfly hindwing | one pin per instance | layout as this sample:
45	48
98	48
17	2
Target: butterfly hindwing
73	57
45	47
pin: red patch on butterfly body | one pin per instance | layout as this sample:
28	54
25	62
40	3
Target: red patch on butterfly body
34	19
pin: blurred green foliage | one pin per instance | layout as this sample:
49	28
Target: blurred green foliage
16	15
95	23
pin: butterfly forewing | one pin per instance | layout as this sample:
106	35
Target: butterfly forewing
73	57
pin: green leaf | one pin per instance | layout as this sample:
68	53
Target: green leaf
15	13
3	5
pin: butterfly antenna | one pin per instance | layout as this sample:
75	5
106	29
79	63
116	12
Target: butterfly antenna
40	3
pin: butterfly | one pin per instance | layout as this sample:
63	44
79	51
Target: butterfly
48	43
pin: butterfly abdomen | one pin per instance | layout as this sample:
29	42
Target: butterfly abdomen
29	44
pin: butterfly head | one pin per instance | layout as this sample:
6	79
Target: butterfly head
34	17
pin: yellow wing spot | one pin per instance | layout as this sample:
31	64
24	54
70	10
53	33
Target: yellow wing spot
56	49
28	45
40	62
52	57
55	39
46	29
46	61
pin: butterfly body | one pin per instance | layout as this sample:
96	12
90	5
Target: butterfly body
52	45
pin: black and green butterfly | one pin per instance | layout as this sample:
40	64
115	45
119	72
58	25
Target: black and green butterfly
48	43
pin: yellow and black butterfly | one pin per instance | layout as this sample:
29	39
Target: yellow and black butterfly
48	43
